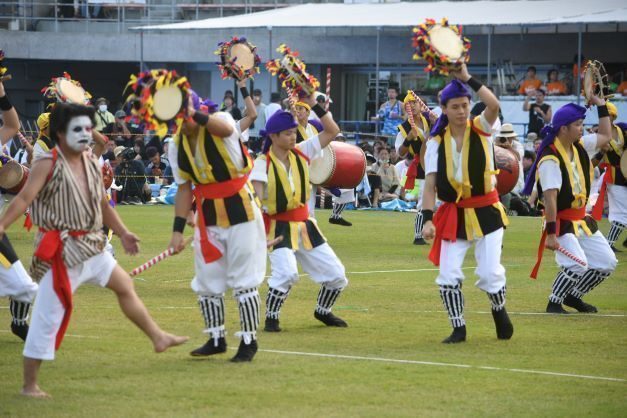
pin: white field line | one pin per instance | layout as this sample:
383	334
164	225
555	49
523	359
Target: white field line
413	362
439	364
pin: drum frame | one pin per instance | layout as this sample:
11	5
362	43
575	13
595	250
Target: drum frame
228	65
436	61
292	72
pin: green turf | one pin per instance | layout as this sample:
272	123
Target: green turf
106	367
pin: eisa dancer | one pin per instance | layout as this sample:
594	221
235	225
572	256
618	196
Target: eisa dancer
14	280
68	204
564	178
460	165
281	179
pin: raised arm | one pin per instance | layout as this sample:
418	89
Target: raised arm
215	126
251	109
604	134
491	112
10	118
330	128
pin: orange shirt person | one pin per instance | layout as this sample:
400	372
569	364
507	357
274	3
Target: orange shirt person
554	86
530	83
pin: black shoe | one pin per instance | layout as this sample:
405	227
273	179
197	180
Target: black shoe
272	325
19	330
420	241
504	327
339	221
579	304
457	336
245	352
330	320
210	348
555	308
616	250
625	243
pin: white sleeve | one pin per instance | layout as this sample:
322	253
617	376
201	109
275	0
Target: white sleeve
242	135
485	126
38	151
399	142
431	157
550	175
310	147
258	173
590	144
173	154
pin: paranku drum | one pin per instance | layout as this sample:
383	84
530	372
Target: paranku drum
341	165
441	45
238	59
65	90
13	176
292	72
595	81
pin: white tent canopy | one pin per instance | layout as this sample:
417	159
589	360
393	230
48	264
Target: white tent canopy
467	13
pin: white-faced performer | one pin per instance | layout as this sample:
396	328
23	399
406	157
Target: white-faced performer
564	178
460	166
14	280
281	177
68	204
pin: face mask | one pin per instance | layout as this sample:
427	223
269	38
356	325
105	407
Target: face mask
79	133
102	108
384	161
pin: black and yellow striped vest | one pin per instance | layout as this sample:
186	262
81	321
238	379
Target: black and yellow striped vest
477	171
614	154
217	166
566	198
301	133
414	148
284	195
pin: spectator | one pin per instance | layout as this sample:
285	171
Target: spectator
622	88
254	140
140	151
155	170
166	146
539	112
577	72
119	132
275	104
530	142
530	83
527	162
228	105
391	113
554	86
103	116
130	174
393	156
536	145
109	151
390	184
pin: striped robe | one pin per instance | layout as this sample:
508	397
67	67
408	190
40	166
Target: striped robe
62	206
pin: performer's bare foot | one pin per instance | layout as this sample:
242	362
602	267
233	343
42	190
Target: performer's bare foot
35	392
167	340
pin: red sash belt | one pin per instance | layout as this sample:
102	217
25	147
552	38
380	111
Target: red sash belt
563	215
445	220
412	173
300	214
220	190
50	250
608	178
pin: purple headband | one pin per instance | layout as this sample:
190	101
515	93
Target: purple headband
564	116
206	106
453	90
280	121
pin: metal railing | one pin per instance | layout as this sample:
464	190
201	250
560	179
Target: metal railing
61	16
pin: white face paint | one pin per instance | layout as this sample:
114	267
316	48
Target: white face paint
78	133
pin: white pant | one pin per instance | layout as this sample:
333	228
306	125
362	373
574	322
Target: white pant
594	250
48	311
488	255
17	284
617	198
312	201
347	196
320	263
243	262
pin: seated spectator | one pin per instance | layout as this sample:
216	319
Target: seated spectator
103	116
554	87
130	174
540	113
120	132
393	156
530	142
530	83
166	145
155	170
527	162
390	184
109	151
140	151
622	87
229	106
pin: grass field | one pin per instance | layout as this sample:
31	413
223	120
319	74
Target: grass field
389	362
